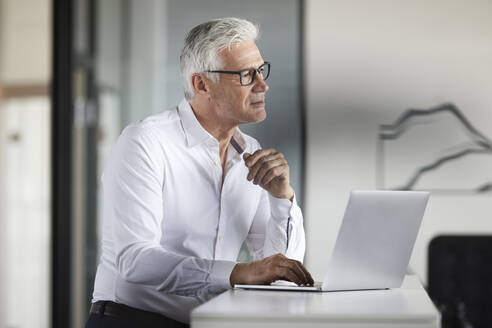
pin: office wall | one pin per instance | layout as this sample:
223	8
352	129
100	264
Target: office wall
23	33
25	48
25	212
369	61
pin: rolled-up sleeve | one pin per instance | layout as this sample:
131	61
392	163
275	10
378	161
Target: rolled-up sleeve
132	185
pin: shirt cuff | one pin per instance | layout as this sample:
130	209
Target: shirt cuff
220	275
282	208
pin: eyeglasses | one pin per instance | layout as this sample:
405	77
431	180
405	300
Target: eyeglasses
247	76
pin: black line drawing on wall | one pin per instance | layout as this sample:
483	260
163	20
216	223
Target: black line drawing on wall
436	149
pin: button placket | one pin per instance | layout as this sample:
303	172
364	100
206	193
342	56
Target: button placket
213	150
231	162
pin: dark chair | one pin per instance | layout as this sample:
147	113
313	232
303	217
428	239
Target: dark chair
460	280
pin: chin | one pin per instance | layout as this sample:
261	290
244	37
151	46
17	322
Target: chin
259	116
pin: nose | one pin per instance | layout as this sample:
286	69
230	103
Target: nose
260	84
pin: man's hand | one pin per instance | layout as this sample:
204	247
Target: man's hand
270	269
269	169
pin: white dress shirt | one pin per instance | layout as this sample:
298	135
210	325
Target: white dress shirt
171	229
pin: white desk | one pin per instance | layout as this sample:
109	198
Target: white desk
405	307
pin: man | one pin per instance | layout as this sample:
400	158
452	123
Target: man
185	188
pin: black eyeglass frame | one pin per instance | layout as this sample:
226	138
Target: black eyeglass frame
255	71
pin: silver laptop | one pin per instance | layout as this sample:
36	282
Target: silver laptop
374	244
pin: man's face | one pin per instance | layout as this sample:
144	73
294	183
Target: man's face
234	103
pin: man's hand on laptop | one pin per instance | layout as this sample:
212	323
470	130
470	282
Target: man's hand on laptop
270	269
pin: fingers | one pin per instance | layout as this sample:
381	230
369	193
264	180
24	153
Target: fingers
270	269
253	170
267	167
251	160
294	271
306	272
273	173
261	162
285	273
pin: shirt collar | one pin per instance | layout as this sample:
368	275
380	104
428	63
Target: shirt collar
196	134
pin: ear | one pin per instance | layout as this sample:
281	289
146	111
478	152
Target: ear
200	84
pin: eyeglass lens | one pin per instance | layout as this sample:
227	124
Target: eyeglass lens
248	76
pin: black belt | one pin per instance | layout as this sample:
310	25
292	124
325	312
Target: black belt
127	313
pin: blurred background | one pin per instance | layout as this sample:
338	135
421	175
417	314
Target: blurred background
363	95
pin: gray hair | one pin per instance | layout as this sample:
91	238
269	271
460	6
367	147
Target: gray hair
203	44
